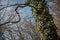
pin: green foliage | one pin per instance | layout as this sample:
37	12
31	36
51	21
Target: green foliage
43	20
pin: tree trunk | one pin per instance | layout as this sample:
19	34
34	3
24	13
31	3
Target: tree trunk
56	15
44	20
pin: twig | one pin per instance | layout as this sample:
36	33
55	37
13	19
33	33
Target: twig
20	5
14	21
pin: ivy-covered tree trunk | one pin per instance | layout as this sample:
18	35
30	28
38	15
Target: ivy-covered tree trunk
44	20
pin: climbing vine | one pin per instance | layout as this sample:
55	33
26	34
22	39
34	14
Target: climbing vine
43	20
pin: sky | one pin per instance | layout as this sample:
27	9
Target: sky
50	4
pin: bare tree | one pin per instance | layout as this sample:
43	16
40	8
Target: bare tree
7	27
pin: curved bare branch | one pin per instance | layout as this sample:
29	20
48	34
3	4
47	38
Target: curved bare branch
19	5
14	21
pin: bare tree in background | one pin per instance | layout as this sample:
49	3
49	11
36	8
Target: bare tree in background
11	25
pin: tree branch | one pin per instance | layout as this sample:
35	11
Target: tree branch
14	21
20	5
